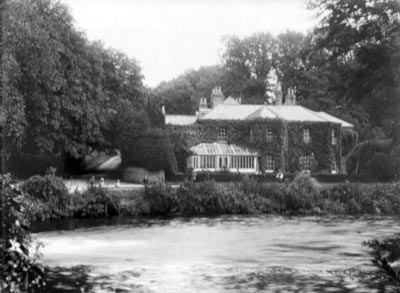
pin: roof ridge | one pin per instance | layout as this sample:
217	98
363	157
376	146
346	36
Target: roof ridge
314	113
252	113
274	112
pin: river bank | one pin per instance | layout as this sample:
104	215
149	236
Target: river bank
303	196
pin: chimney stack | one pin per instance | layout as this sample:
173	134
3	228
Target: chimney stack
203	103
290	99
217	97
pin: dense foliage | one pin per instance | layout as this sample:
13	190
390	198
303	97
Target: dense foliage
304	195
253	134
348	66
64	96
385	254
182	94
19	270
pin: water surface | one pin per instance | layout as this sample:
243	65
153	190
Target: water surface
224	254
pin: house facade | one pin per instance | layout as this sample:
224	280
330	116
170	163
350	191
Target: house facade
228	135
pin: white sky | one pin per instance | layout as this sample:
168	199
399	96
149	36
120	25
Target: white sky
168	37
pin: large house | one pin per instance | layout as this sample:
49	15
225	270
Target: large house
228	135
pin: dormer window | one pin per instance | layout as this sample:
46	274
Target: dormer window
222	135
334	138
306	135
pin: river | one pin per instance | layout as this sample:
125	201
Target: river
222	254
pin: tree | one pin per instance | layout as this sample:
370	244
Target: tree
182	94
247	63
288	59
365	37
62	90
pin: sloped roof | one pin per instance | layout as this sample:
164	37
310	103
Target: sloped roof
334	119
180	119
282	112
230	101
295	113
231	112
222	149
263	113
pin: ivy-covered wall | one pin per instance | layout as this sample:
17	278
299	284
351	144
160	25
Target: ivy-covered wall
286	146
320	146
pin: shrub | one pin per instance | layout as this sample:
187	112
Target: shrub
303	193
381	166
159	199
20	272
51	190
96	202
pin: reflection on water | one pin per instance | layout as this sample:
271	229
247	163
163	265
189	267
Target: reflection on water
236	254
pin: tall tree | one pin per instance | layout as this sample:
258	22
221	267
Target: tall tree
365	37
247	63
182	94
62	90
287	58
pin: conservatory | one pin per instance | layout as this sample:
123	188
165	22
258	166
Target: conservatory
221	156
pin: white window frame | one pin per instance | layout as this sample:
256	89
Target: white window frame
269	164
222	134
306	135
195	162
306	163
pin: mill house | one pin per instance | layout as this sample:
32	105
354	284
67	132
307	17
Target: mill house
225	134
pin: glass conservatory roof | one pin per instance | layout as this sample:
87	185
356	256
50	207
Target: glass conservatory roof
215	148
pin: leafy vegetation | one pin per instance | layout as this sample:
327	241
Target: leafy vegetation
347	66
253	134
64	96
304	195
19	270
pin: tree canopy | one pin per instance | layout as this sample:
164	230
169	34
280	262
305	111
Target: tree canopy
65	95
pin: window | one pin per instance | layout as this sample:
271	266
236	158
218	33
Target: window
242	162
207	162
306	162
269	134
269	164
222	135
334	167
195	162
251	135
334	138
306	135
223	162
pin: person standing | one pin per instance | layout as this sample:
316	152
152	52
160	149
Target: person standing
279	176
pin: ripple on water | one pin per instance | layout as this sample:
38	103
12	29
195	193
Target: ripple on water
261	253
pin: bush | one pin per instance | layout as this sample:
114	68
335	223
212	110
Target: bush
96	202
381	166
159	199
50	190
20	273
303	193
45	187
